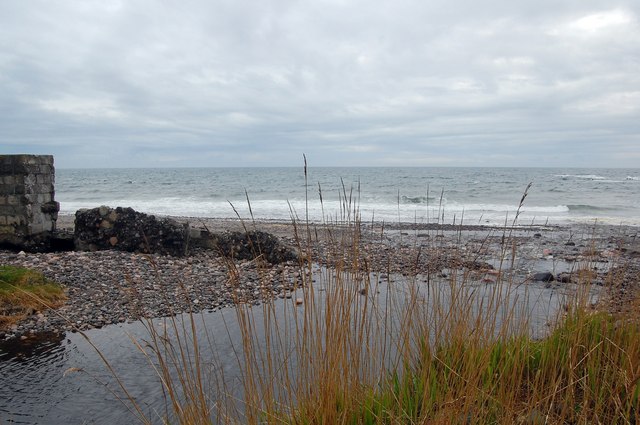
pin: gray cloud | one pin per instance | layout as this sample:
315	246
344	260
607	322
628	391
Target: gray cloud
210	83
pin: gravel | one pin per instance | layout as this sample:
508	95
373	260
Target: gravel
108	287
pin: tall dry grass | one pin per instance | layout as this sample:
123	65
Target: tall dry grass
356	345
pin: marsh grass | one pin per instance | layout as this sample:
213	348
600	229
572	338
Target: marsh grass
23	291
357	345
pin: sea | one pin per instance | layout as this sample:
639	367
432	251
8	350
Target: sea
378	194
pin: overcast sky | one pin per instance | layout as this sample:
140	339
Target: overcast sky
137	83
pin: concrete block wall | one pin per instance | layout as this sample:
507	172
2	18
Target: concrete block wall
28	209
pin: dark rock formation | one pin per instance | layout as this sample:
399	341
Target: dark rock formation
564	277
127	230
544	277
250	245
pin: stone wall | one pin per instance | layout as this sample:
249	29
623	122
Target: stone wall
28	211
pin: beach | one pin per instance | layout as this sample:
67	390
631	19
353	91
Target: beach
109	287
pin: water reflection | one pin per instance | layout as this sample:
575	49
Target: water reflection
61	379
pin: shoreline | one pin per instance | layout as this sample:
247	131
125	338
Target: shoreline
65	222
110	287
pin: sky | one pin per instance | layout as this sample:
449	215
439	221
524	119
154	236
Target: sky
210	83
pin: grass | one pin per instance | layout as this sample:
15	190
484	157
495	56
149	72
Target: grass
450	354
23	291
586	371
357	345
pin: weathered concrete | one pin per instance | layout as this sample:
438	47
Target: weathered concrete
28	210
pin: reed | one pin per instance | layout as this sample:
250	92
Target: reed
360	344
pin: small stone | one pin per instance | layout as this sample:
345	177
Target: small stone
103	210
106	224
299	301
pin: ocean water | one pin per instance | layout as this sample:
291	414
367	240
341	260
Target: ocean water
421	195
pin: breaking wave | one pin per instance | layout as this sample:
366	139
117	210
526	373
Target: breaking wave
589	208
581	176
418	199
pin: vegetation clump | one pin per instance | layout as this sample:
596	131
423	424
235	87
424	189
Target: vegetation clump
586	371
25	291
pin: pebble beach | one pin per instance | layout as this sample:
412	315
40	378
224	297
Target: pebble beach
109	287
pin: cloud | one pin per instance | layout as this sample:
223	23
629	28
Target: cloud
598	22
239	83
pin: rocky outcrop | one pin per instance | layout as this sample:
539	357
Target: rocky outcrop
251	245
125	229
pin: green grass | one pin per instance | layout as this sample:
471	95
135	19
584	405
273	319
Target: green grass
586	371
23	291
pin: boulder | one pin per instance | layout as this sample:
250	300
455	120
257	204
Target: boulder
543	277
564	277
128	230
251	245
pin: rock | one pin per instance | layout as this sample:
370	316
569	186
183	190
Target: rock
252	245
543	277
127	230
564	277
